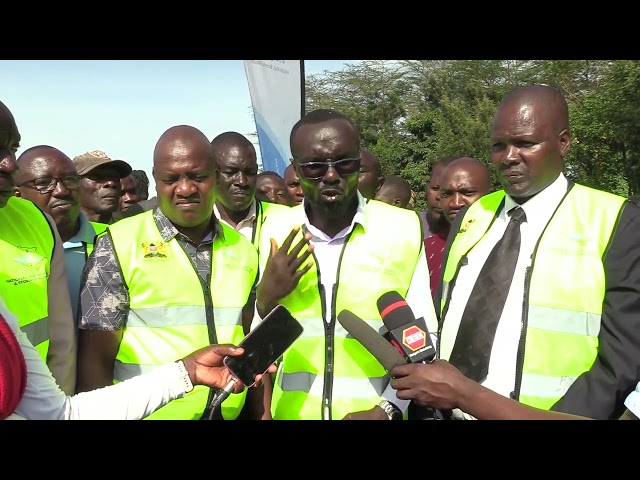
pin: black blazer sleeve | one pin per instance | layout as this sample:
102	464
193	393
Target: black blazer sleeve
601	391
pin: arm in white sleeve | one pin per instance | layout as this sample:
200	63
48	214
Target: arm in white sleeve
132	399
419	299
632	402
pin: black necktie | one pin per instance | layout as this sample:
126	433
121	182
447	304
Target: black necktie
472	348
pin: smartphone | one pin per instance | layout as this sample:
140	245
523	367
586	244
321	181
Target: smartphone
264	345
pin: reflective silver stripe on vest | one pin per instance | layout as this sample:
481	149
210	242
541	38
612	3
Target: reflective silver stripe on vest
125	371
564	321
360	388
545	386
314	327
181	316
37	332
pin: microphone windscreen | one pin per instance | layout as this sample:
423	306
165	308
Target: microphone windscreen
380	348
394	310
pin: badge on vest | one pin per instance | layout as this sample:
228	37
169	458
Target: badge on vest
154	250
466	226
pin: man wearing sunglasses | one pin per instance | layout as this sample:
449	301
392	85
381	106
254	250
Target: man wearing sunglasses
347	253
48	178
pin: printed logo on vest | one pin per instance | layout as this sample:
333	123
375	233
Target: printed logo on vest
154	250
36	266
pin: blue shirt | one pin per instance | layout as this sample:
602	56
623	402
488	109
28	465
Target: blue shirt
74	260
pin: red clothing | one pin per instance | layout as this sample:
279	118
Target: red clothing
434	249
13	370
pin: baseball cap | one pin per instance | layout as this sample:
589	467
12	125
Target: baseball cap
88	161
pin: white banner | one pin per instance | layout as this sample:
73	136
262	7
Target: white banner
277	96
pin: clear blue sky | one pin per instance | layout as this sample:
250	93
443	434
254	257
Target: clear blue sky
123	106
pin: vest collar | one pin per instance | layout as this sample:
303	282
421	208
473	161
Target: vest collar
168	230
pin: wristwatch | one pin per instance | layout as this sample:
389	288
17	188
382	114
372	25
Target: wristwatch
393	412
184	376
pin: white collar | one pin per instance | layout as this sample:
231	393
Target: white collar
359	218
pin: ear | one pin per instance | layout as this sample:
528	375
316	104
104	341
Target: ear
565	142
379	183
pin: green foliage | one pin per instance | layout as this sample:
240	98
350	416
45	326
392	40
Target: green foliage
412	112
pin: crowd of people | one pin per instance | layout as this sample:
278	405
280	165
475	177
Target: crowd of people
118	305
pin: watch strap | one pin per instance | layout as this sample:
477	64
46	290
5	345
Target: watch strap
184	376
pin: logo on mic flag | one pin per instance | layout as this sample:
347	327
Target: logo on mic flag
414	338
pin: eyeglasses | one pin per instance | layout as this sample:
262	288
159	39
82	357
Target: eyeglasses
48	184
317	170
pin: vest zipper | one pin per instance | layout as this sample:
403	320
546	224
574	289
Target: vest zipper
515	395
329	329
208	311
326	402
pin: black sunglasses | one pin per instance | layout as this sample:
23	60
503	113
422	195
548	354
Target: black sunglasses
317	170
48	184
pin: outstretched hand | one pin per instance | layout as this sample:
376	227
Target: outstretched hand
205	367
283	270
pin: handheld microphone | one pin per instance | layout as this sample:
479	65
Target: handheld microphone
371	340
407	333
411	338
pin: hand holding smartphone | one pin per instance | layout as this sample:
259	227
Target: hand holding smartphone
264	345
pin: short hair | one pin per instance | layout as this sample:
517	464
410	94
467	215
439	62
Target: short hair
319	116
271	173
230	139
141	181
396	182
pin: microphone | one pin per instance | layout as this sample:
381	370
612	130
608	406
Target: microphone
371	340
408	334
388	356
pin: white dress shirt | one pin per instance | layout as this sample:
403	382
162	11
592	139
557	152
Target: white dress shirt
327	251
132	399
502	364
244	226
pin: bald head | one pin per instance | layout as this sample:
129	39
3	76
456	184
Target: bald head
473	166
530	137
462	182
395	190
369	179
39	161
182	140
527	98
184	171
9	144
